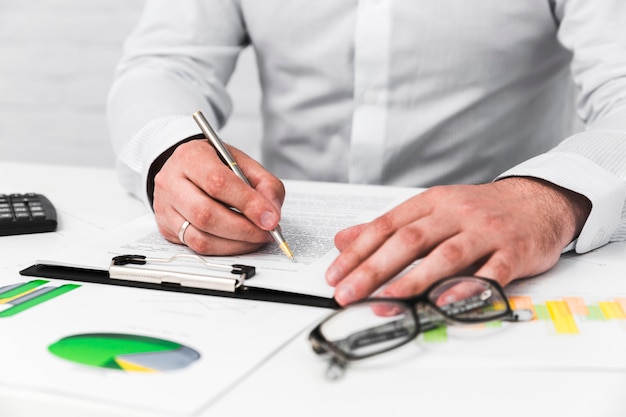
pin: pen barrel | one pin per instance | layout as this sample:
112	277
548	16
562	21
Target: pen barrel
218	145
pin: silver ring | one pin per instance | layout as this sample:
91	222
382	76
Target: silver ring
181	232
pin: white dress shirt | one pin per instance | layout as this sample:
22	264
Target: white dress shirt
401	92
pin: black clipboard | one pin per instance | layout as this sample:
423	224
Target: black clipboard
122	273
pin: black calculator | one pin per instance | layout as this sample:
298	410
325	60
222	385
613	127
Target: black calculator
26	213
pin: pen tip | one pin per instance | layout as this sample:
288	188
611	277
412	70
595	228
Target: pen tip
287	251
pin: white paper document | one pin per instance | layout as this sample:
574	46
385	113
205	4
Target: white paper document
312	214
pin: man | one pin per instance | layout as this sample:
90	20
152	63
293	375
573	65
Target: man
402	92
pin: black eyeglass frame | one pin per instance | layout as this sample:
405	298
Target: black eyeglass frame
322	346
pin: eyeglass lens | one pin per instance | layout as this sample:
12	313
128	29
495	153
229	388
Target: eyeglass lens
468	299
376	326
370	328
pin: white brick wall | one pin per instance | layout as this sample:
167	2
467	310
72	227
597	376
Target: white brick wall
56	64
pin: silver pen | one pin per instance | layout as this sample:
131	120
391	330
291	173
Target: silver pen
228	159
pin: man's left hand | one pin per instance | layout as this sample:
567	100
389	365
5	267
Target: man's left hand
508	229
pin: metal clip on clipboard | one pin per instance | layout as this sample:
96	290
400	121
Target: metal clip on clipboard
121	268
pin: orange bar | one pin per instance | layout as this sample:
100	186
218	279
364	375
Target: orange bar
577	306
621	302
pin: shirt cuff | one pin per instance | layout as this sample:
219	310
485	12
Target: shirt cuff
583	176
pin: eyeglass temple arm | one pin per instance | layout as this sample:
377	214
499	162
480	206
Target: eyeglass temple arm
521	314
370	336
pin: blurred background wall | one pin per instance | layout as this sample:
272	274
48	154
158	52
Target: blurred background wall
56	65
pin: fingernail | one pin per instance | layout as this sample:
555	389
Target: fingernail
344	294
333	275
268	220
447	299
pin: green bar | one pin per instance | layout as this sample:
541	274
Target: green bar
595	313
542	312
436	335
27	286
38	300
494	324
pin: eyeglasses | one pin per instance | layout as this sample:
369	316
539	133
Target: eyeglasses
377	325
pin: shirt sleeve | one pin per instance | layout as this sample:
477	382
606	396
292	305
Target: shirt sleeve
592	162
177	61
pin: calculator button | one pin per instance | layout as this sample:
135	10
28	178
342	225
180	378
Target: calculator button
26	213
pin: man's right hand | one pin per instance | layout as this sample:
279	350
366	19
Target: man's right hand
195	185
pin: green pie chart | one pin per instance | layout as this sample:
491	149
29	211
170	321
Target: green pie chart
124	352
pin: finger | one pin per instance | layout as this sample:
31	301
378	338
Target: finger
261	180
450	257
221	184
457	291
344	237
512	263
500	267
205	243
209	244
217	220
372	236
206	214
402	248
358	244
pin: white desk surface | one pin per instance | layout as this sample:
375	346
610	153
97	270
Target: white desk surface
291	382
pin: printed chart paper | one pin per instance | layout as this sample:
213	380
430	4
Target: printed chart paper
167	353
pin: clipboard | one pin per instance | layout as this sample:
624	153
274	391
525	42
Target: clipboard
137	271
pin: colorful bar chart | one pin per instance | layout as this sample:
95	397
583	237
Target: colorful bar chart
564	315
18	297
